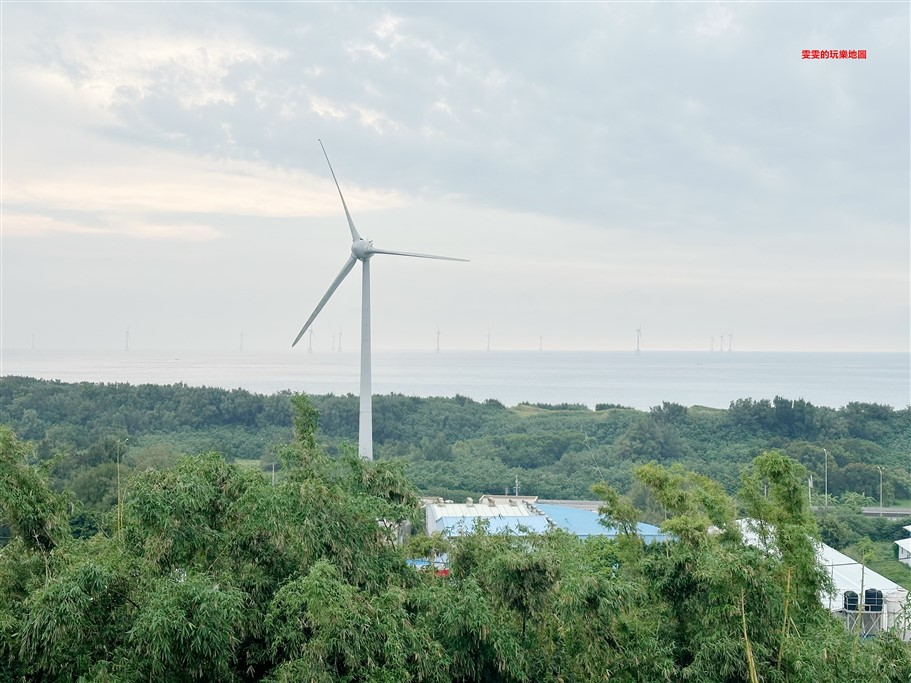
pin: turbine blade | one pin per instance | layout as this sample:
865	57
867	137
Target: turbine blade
349	264
374	250
354	233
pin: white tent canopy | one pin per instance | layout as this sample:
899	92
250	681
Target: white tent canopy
858	591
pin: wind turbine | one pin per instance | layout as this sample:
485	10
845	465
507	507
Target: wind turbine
310	348
361	250
126	346
438	338
730	342
638	338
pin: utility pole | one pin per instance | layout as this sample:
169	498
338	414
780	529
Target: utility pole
880	490
827	476
120	447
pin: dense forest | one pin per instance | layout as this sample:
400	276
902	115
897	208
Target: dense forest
456	447
206	570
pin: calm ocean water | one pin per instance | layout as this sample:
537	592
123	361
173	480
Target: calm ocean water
689	378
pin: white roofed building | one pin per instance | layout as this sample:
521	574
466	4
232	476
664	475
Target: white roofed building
904	548
858	591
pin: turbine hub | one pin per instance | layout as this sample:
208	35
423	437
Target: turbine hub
360	249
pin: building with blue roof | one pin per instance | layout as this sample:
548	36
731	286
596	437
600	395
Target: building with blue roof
521	515
584	523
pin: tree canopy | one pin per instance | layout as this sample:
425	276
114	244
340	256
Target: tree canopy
205	570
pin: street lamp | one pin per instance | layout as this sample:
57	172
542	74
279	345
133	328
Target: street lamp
880	490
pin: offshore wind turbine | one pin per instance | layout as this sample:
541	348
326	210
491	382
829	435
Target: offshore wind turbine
361	250
638	339
730	342
438	338
126	346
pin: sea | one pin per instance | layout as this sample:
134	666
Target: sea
712	379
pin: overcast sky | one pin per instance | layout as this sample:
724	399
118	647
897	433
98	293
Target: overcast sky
677	167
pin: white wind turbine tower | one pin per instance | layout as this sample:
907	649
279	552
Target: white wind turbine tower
361	250
310	348
126	345
438	338
721	342
730	342
638	339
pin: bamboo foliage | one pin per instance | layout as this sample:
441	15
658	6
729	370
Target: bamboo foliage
220	576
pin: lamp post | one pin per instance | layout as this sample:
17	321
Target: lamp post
880	490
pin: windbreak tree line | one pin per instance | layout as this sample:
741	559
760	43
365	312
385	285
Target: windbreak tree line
205	571
456	447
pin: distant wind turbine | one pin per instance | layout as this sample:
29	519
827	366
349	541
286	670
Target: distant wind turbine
126	346
730	342
541	343
438	338
638	339
721	342
241	341
361	250
310	348
339	349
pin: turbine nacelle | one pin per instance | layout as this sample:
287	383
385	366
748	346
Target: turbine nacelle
362	249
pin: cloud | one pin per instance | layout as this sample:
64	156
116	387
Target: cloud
173	183
132	65
701	164
34	225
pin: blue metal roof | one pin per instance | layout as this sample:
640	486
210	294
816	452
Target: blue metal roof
586	523
495	525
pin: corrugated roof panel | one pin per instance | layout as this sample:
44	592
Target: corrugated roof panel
480	510
583	522
459	525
